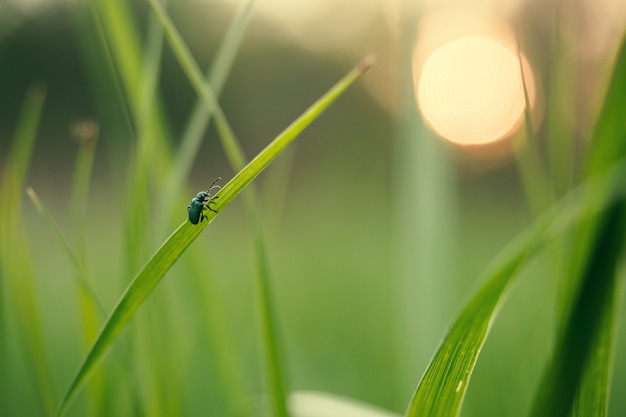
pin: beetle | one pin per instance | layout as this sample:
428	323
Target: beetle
203	199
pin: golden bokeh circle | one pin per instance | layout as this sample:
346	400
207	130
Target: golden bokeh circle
470	90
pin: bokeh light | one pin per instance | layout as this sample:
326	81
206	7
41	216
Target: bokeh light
470	90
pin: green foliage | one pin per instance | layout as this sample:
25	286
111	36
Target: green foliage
579	228
16	285
151	274
587	338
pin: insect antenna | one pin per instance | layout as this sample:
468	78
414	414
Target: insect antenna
213	186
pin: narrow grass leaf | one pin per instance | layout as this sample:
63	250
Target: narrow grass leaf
274	365
609	136
443	386
192	70
85	277
585	346
529	163
232	147
17	288
593	394
152	273
582	344
274	360
86	134
93	313
18	160
123	41
201	114
560	108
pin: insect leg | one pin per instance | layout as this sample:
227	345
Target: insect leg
208	204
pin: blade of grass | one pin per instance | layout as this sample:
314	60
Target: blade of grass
592	311
230	377
152	273
201	114
560	112
442	388
561	153
609	136
85	277
276	187
584	345
103	77
219	334
155	397
528	160
425	215
200	118
86	135
17	288
273	363
138	213
206	93
122	39
593	395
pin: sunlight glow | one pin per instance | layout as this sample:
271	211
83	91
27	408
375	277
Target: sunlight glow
470	90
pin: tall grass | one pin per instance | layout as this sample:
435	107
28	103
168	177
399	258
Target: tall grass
579	225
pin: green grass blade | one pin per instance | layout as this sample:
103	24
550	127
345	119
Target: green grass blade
560	108
593	394
592	311
18	160
267	316
201	115
152	273
92	312
584	347
138	215
528	156
85	277
273	363
123	42
86	134
609	136
192	70
443	386
17	288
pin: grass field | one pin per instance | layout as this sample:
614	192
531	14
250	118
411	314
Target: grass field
359	266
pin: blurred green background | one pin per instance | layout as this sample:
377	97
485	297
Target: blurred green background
376	229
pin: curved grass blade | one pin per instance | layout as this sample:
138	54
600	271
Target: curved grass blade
588	325
274	364
124	45
584	349
528	157
152	273
442	388
201	115
93	313
205	91
17	280
85	277
593	394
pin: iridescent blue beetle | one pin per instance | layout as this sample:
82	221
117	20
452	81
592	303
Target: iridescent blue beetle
196	208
